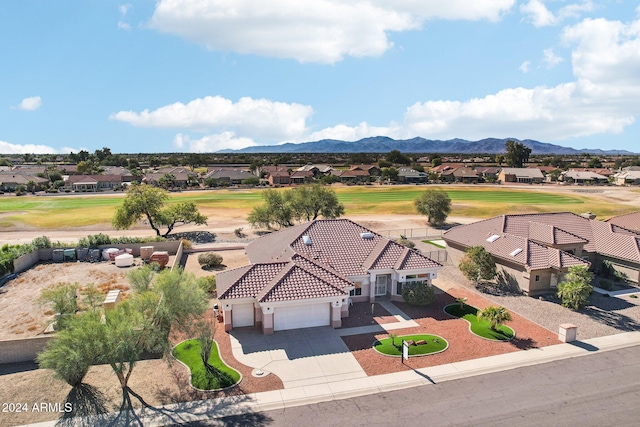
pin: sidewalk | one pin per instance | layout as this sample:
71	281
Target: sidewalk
305	395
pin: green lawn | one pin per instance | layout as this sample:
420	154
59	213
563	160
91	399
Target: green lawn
54	212
188	352
435	344
482	328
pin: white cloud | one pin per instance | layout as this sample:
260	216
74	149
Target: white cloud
347	133
272	120
212	143
7	148
30	104
322	31
550	58
524	67
124	9
536	12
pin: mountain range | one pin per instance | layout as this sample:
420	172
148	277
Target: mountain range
383	144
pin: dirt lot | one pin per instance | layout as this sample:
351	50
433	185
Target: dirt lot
21	314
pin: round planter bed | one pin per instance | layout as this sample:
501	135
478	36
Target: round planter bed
419	345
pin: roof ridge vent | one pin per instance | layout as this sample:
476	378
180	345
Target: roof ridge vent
306	240
367	235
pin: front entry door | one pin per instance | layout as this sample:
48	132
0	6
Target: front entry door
381	284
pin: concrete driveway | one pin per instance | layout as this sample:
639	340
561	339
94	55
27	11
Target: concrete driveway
298	357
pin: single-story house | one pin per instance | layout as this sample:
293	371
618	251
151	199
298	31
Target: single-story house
583	177
279	177
125	173
372	170
316	170
301	177
229	175
627	177
180	178
412	176
461	174
10	180
307	275
630	221
534	251
488	173
93	182
351	176
521	175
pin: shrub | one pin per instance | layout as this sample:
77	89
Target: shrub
574	295
186	244
418	294
207	284
209	260
406	242
41	242
94	240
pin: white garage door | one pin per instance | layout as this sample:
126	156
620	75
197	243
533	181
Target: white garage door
242	315
301	316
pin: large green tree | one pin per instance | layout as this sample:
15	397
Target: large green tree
478	264
517	153
576	287
144	201
309	202
282	208
435	204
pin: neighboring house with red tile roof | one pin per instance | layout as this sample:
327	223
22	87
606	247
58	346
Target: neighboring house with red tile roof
630	221
300	177
306	275
534	251
461	174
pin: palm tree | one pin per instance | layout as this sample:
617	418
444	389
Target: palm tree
496	315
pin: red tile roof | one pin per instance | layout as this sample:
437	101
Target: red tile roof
630	221
549	229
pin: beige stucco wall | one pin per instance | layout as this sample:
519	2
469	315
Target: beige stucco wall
23	350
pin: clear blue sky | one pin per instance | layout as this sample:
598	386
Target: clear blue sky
203	75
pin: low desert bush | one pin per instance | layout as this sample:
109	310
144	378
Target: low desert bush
209	260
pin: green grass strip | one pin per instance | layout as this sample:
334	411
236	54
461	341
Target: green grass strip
481	328
434	344
437	245
188	352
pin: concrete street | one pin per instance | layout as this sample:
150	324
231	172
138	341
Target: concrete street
602	389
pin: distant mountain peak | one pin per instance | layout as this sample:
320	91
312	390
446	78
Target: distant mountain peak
384	144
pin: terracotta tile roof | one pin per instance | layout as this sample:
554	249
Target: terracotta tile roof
247	281
630	221
297	279
337	244
560	227
552	235
296	282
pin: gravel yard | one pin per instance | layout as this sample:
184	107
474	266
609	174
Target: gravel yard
602	316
